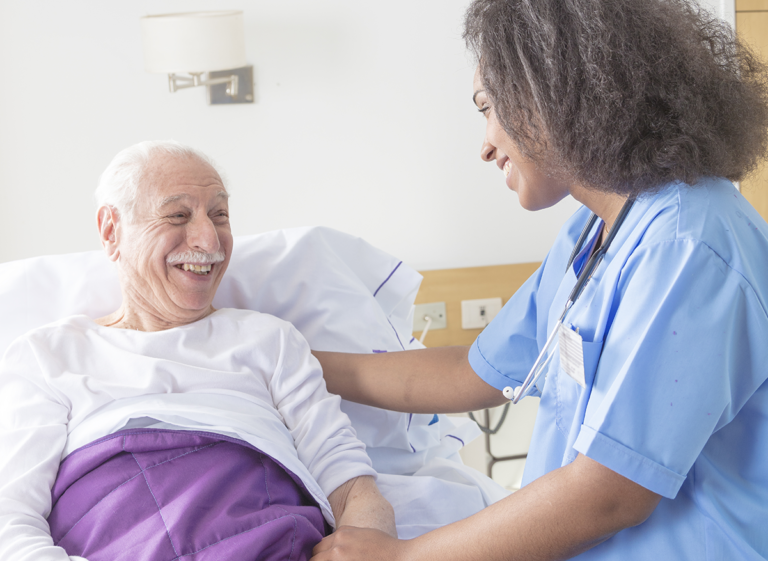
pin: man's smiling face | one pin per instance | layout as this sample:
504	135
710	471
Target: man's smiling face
174	252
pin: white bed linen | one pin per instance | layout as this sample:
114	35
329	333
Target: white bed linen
342	294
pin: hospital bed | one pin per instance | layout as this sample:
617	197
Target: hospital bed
343	295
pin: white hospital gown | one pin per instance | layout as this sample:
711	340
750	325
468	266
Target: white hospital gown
239	373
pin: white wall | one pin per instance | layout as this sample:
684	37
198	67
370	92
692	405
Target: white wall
363	122
724	9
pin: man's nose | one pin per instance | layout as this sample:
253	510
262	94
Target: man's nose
202	235
487	151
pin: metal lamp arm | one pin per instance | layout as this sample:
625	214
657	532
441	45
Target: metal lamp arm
176	83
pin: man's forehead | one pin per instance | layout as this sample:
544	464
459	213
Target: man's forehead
181	197
168	179
168	169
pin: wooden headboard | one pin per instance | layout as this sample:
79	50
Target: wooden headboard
454	285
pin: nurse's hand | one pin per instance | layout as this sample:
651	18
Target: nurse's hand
359	544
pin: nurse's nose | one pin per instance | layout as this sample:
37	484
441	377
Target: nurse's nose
487	151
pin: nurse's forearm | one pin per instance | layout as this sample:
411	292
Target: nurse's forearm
558	516
438	380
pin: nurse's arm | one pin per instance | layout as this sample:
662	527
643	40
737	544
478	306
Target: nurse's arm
438	380
558	516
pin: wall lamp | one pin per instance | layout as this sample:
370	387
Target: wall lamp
200	49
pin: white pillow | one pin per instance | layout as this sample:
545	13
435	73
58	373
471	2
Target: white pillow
339	291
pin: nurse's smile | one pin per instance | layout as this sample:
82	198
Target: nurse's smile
536	189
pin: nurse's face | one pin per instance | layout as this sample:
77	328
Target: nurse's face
535	189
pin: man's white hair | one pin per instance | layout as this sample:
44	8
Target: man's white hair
119	184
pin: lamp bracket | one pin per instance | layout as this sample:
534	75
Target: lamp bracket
224	86
218	94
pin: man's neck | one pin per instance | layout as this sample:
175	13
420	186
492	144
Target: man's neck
129	317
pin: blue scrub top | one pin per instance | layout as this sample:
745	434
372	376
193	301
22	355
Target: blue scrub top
675	343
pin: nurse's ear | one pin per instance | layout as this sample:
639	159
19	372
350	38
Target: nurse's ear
107	219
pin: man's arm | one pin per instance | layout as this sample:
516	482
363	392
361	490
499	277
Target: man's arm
438	380
33	433
558	516
359	503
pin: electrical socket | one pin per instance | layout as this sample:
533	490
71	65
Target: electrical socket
476	314
435	310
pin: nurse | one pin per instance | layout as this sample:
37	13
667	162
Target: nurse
651	440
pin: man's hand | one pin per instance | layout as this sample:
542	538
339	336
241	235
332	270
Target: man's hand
359	544
359	503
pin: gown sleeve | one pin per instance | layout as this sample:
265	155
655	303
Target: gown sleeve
324	438
685	351
33	433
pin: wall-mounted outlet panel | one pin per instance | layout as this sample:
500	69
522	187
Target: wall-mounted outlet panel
476	314
435	310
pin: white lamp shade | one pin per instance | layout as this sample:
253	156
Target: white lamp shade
193	42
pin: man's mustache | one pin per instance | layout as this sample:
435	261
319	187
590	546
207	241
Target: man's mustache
198	257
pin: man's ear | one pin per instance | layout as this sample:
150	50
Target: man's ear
107	219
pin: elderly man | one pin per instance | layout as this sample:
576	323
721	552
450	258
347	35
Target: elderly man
172	446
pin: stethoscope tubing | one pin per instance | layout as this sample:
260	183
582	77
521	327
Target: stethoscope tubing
586	274
597	257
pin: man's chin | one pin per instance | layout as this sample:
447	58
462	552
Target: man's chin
193	308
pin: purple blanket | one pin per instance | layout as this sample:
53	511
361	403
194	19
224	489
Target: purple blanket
158	495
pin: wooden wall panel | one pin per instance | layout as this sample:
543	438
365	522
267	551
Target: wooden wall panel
753	28
755	190
454	285
751	5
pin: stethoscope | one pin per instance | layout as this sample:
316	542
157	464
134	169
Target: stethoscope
518	393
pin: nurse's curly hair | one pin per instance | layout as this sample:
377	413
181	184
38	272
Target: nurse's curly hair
622	95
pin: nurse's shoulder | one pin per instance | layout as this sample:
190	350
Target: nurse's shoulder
714	213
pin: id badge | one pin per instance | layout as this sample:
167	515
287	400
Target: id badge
571	353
